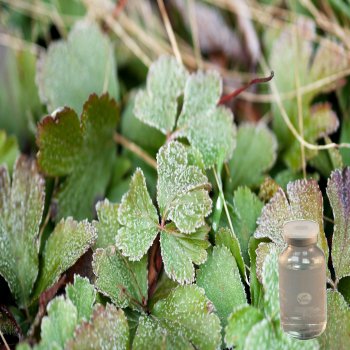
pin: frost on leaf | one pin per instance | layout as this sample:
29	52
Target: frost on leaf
108	329
9	150
338	191
182	188
255	154
225	237
209	128
304	202
107	225
219	277
246	210
59	324
239	324
183	320
21	208
72	70
157	105
138	218
82	150
82	294
124	281
180	251
337	333
66	244
295	44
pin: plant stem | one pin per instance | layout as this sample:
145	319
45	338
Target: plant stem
120	139
4	341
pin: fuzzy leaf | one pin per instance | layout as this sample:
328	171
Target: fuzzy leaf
295	44
254	155
182	188
138	218
219	276
246	210
181	321
225	237
81	150
338	191
107	225
118	278
82	294
73	69
200	116
107	330
239	324
157	105
66	244
21	208
9	150
337	333
180	251
304	202
59	324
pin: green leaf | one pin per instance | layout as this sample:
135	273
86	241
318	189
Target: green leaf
219	276
9	150
66	244
295	44
182	188
21	208
124	281
138	218
225	237
72	70
239	323
254	155
157	105
246	210
83	151
82	294
107	225
200	116
180	251
107	330
338	191
337	333
59	324
304	202
184	320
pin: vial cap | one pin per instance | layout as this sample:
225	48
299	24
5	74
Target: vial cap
300	232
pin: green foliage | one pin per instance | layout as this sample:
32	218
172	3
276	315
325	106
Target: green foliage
71	70
219	277
9	151
21	208
108	329
157	106
254	155
82	150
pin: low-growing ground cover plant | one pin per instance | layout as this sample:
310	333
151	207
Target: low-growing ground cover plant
152	218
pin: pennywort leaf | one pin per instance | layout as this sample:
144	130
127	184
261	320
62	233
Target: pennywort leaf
82	150
21	208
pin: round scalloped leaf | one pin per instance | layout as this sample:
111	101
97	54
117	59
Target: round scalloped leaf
21	208
72	70
138	218
219	276
107	330
157	105
182	188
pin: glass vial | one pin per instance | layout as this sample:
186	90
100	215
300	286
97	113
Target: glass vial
302	281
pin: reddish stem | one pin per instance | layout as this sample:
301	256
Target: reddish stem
235	93
119	7
154	267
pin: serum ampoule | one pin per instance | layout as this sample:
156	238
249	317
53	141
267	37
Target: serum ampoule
302	281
